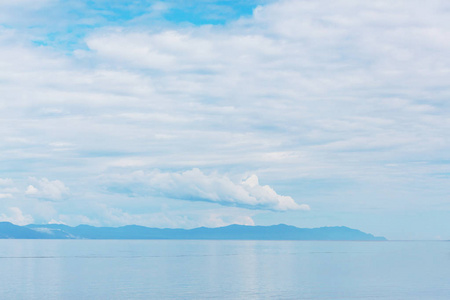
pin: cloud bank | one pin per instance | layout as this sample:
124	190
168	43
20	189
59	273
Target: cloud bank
53	190
16	216
194	185
344	103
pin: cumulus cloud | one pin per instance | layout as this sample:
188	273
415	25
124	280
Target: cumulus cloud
53	190
16	216
194	185
219	220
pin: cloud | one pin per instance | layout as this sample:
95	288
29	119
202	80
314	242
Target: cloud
325	83
7	188
106	215
53	190
31	190
6	182
194	185
301	92
16	217
218	220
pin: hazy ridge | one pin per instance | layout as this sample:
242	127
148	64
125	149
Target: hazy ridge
231	232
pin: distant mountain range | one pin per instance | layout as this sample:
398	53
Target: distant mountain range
232	232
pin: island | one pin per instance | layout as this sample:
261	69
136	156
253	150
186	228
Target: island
231	232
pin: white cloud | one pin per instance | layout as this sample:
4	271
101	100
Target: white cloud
7	188
194	185
298	77
301	90
47	189
288	72
128	163
31	190
16	217
6	182
218	220
53	221
175	219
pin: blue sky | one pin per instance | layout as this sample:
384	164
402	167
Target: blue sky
175	114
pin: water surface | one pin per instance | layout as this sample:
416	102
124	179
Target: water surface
171	269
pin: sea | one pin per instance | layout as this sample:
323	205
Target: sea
198	269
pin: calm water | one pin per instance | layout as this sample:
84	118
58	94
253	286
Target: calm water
86	269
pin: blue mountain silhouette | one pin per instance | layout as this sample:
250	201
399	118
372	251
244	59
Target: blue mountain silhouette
231	232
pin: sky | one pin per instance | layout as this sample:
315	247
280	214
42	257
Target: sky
181	114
